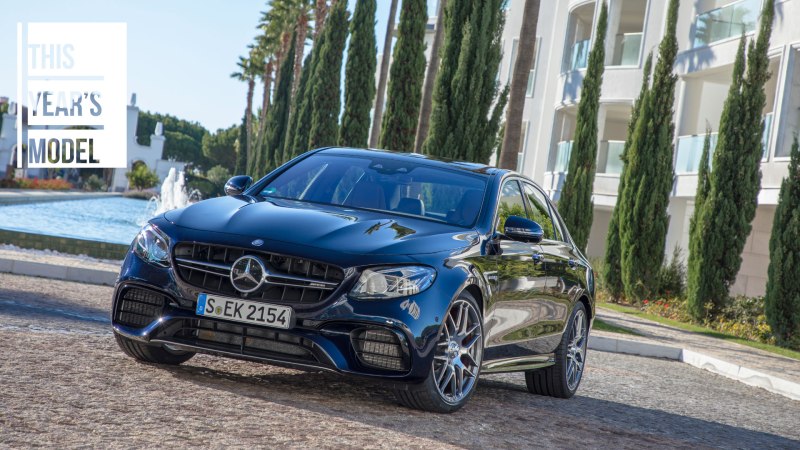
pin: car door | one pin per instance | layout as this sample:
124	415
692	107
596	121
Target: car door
515	310
559	258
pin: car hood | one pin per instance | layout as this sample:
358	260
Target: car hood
323	226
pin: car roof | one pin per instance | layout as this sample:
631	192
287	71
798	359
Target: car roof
433	161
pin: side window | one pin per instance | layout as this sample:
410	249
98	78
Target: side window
540	211
510	204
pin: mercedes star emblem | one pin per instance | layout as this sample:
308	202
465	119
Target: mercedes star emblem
247	274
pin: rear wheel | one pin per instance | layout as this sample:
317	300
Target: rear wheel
563	378
156	354
456	361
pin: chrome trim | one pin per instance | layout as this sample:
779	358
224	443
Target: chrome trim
519	363
205	263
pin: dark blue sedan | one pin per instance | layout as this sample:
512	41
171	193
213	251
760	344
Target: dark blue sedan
416	271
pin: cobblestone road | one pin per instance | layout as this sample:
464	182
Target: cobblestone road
63	383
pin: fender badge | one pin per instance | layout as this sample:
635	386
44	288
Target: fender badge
258	242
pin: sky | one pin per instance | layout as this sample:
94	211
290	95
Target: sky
180	52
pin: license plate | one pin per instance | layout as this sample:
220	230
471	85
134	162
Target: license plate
257	313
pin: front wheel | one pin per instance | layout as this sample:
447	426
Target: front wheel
563	378
456	361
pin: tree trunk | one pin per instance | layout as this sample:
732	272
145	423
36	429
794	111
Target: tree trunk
430	79
519	84
300	45
377	116
248	114
320	11
265	103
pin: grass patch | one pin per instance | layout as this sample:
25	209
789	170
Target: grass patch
599	325
701	330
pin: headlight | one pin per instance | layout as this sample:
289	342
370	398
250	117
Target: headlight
152	246
392	282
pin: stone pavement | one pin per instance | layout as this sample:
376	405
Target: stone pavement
751	362
19	196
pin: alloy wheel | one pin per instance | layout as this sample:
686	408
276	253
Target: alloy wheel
457	358
576	350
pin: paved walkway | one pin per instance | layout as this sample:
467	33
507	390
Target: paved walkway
730	352
20	196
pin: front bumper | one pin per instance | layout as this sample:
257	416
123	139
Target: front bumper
378	339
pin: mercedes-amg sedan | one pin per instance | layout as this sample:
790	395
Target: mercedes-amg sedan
419	272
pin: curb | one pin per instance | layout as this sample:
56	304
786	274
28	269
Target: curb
733	371
67	273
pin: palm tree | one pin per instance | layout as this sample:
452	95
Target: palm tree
430	79
246	74
519	84
377	115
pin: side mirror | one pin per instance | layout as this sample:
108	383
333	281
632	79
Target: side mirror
238	184
521	229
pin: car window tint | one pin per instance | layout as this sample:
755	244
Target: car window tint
384	184
510	204
346	184
539	211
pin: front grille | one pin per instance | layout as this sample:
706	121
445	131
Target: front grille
291	279
380	348
239	339
138	307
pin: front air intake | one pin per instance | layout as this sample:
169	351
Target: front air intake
380	348
138	307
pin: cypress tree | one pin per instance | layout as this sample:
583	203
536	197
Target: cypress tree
359	87
305	101
649	175
730	206
612	272
326	98
575	204
278	119
294	114
783	285
703	187
463	124
399	126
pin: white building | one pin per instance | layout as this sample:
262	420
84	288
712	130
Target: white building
151	155
708	34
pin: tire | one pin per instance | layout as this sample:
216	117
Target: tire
559	380
155	354
441	391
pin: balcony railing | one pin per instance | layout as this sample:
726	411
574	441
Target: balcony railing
579	55
609	157
690	148
626	49
726	22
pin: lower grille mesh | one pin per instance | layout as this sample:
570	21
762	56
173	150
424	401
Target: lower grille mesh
380	348
138	307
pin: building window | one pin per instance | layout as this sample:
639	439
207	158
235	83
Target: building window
532	74
729	21
578	38
513	60
628	32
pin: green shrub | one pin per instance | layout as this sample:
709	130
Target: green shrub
141	177
672	277
94	183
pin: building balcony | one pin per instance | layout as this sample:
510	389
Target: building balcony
627	47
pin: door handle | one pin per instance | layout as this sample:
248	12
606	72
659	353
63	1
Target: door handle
537	258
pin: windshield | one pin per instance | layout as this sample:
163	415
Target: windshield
383	184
